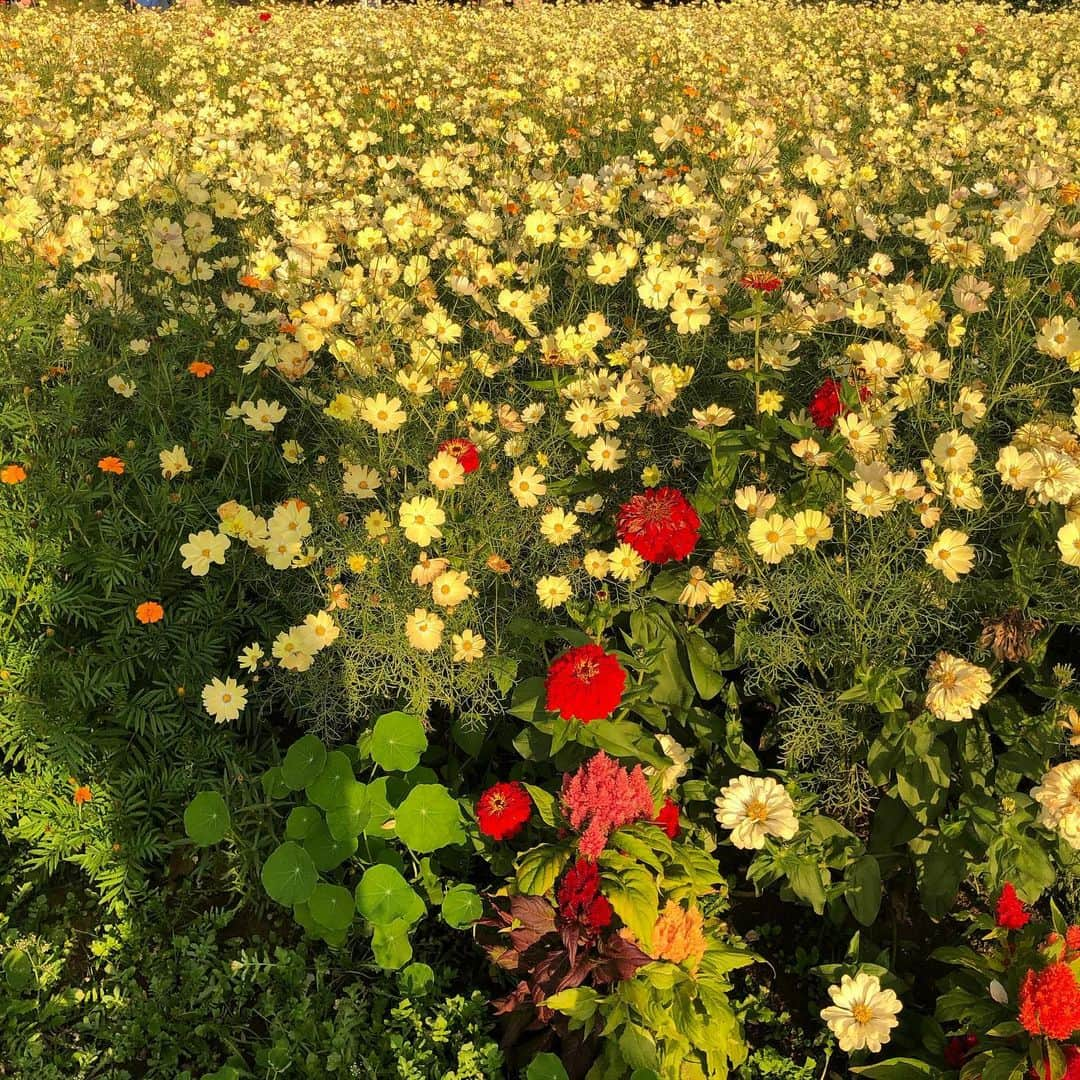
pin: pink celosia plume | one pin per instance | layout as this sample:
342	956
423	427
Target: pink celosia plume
606	796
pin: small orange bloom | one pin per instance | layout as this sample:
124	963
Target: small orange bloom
287	328
149	612
12	474
250	281
83	794
111	465
200	368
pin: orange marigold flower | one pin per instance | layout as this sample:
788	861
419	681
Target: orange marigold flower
200	368
111	465
149	612
12	474
678	935
83	794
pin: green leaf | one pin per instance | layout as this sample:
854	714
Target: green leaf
273	783
418	979
429	819
206	819
329	789
544	802
462	906
301	820
303	762
546	1067
897	1069
863	894
397	741
391	945
704	665
332	905
352	817
289	874
383	897
326	852
632	893
579	1002
538	868
19	970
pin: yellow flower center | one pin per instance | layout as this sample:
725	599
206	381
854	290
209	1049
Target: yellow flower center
757	811
862	1013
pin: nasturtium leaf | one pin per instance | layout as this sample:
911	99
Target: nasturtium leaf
546	1067
289	875
417	978
391	945
397	741
206	819
383	896
273	783
329	789
462	906
429	819
539	867
301	820
302	914
381	809
352	816
333	938
332	906
326	852
303	762
19	970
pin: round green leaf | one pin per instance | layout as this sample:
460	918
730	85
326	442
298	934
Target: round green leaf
326	852
429	819
417	979
301	820
332	906
462	906
273	783
206	819
19	970
329	789
289	875
391	945
304	762
383	896
397	741
546	1067
351	817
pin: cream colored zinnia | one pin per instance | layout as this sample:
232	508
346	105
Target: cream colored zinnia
755	807
1058	796
957	689
862	1014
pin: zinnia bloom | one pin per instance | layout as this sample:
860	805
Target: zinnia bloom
668	818
601	797
660	525
957	689
1050	1002
585	684
579	897
755	807
149	612
862	1015
111	465
12	474
1058	796
503	810
826	404
761	280
468	456
1011	913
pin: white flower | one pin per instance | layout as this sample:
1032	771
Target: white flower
174	462
424	630
755	807
262	415
361	481
527	485
862	1015
202	549
420	518
121	386
957	689
445	472
1058	796
224	700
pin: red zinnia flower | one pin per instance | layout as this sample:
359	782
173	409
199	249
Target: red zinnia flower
264	16
466	453
668	818
958	1049
579	897
826	404
1050	1002
1011	913
584	684
503	810
660	525
761	280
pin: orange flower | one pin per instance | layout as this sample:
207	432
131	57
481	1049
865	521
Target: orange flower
149	612
200	368
83	794
678	936
111	465
12	474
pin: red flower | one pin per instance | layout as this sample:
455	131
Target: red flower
466	453
1072	939
264	16
1050	1002
1011	913
579	897
668	818
1072	1066
958	1049
660	525
585	684
503	810
761	280
826	404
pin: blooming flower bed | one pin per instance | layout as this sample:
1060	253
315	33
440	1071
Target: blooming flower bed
557	476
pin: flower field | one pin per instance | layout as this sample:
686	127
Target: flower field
540	541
